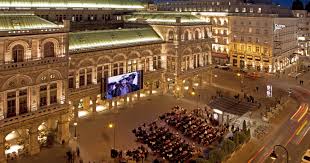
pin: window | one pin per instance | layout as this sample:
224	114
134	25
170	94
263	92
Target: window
243	9
259	10
250	30
89	76
23	101
18	53
71	82
11	104
49	50
53	93
257	49
82	78
249	48
170	36
251	10
197	35
186	36
43	95
236	9
132	65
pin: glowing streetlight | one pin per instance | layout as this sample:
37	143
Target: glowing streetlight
238	74
274	156
193	93
75	124
111	125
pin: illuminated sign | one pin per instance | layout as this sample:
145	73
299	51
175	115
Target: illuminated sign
278	26
269	90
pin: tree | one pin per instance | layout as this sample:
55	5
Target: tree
244	126
236	138
216	155
308	7
242	137
297	5
228	146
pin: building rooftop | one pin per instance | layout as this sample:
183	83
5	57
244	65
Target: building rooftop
109	39
164	17
111	4
15	21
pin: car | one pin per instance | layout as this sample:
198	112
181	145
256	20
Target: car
223	67
306	157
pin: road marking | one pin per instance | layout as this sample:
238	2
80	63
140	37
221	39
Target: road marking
256	154
303	136
301	127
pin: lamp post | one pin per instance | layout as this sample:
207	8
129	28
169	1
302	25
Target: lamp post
240	76
75	124
111	125
273	154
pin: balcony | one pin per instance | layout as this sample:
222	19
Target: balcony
31	62
47	111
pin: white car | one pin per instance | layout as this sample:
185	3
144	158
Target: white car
306	157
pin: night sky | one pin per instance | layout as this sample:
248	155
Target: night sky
287	3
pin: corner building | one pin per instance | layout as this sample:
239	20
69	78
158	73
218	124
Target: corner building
33	82
263	42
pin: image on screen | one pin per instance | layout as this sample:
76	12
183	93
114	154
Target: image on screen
122	84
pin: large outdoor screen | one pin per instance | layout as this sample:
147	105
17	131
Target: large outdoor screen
121	85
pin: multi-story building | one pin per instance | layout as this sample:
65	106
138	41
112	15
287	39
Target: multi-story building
221	13
50	76
92	15
220	33
33	82
303	31
263	42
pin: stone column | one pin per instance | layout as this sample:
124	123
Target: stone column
48	95
86	103
94	103
17	102
33	140
2	149
63	133
150	88
110	104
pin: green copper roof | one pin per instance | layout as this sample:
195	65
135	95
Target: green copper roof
103	39
130	4
23	22
164	17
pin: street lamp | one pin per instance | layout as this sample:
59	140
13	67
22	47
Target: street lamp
111	125
241	80
273	154
75	124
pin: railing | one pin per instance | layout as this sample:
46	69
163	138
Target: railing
31	62
32	115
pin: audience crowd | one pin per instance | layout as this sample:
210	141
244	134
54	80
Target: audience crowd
200	130
164	143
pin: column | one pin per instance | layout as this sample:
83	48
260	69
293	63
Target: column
94	75
33	140
150	88
17	102
110	104
77	79
164	85
86	103
63	133
209	58
94	101
48	95
2	149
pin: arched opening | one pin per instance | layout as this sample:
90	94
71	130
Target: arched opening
49	50
186	36
15	143
18	53
197	35
170	36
